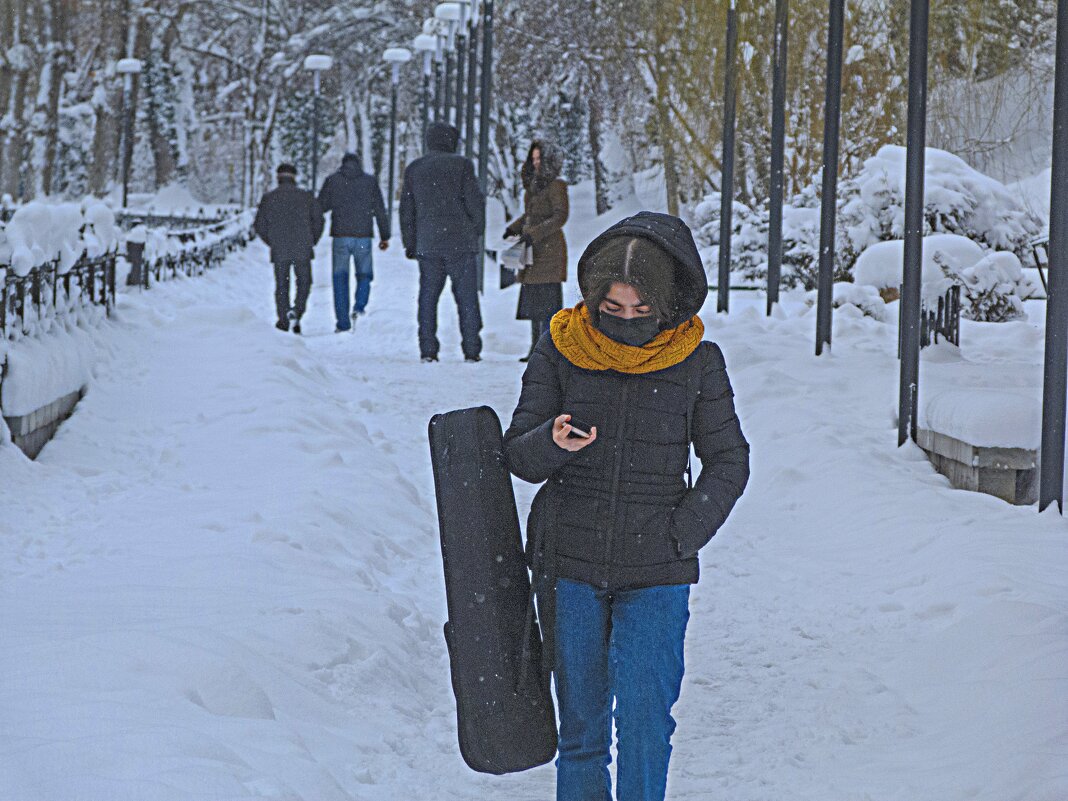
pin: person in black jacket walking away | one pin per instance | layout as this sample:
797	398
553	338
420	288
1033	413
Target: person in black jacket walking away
611	402
290	221
442	219
354	200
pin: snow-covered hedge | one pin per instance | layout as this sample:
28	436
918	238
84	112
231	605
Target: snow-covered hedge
993	286
41	233
959	201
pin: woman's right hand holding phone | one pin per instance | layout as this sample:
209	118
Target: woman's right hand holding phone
563	437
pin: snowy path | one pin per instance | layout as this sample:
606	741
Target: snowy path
222	579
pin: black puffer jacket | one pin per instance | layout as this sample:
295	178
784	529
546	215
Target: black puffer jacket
618	514
290	221
442	209
355	201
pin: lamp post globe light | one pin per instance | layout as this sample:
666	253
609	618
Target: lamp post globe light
316	64
395	57
449	14
427	44
127	68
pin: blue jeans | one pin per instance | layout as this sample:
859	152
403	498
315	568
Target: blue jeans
628	646
359	250
460	269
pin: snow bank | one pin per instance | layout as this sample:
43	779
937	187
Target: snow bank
987	417
854	300
43	369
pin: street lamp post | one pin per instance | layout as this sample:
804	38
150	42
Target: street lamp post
449	14
726	201
426	44
472	82
461	64
315	64
127	68
832	113
395	57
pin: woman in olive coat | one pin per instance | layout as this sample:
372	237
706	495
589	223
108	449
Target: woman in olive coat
545	210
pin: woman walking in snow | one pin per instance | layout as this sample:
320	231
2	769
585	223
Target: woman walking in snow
611	402
545	210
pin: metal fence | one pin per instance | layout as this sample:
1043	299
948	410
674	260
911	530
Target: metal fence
943	320
46	292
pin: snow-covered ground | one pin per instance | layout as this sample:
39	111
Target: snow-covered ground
222	579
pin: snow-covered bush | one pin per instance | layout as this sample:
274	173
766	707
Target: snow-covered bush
991	288
861	301
993	283
957	200
749	237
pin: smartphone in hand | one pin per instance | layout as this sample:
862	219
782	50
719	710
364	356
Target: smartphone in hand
579	429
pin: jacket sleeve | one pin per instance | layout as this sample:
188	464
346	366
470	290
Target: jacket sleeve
724	454
406	214
473	199
555	223
260	224
316	220
529	449
515	227
380	211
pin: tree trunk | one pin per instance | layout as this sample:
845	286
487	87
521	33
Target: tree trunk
600	182
11	153
60	57
107	98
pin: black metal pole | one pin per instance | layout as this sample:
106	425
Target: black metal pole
461	82
726	204
916	142
485	102
446	113
426	103
828	203
472	91
315	136
437	91
392	156
1051	468
127	135
778	149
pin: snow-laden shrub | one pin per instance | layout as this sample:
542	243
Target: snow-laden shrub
957	200
991	288
749	237
861	301
749	241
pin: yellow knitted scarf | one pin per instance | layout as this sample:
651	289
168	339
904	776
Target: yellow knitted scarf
584	346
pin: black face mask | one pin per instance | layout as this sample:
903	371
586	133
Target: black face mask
634	332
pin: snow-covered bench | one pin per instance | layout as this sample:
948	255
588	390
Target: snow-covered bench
984	440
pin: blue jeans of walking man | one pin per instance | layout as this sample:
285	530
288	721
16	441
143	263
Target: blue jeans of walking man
358	249
626	645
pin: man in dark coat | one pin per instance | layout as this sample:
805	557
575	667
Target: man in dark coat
354	201
290	221
442	218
